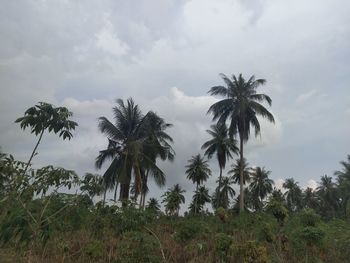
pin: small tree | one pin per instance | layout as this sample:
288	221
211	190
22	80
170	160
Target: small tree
45	117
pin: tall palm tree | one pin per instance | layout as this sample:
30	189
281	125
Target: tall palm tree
328	196
133	145
223	195
235	171
173	198
261	185
241	105
293	195
198	170
200	197
221	145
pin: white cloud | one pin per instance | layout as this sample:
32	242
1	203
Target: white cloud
109	42
306	96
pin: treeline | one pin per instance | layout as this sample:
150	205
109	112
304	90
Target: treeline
259	224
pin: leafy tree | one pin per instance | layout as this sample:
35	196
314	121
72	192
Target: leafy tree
92	184
198	170
221	145
45	117
134	144
293	195
200	197
260	186
241	105
173	198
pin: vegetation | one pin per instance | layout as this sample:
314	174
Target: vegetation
51	214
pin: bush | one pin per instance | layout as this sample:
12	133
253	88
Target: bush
249	252
138	247
222	246
189	229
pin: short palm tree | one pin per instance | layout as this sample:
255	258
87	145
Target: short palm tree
153	205
310	199
241	106
223	195
261	185
198	170
328	196
200	197
343	180
235	171
293	195
221	145
173	198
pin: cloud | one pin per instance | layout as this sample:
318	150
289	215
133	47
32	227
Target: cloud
306	96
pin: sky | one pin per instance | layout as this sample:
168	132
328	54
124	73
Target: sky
166	54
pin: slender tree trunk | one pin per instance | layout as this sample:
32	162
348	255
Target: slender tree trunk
144	194
141	198
115	192
241	192
33	153
104	196
220	180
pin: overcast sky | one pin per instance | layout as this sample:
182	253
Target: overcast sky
166	54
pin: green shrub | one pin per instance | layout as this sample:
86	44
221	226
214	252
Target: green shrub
95	249
249	252
308	217
222	246
138	247
189	229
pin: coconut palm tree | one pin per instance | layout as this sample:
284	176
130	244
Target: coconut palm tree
343	180
173	198
200	197
235	171
133	145
261	185
310	199
153	205
293	195
328	196
241	106
222	196
198	170
221	145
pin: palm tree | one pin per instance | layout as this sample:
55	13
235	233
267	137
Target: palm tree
328	196
222	196
241	106
310	199
134	145
221	145
261	185
235	171
293	195
153	205
197	170
173	198
200	197
343	180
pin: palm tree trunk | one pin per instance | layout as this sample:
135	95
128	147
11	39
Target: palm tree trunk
33	153
115	192
220	180
241	192
104	196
